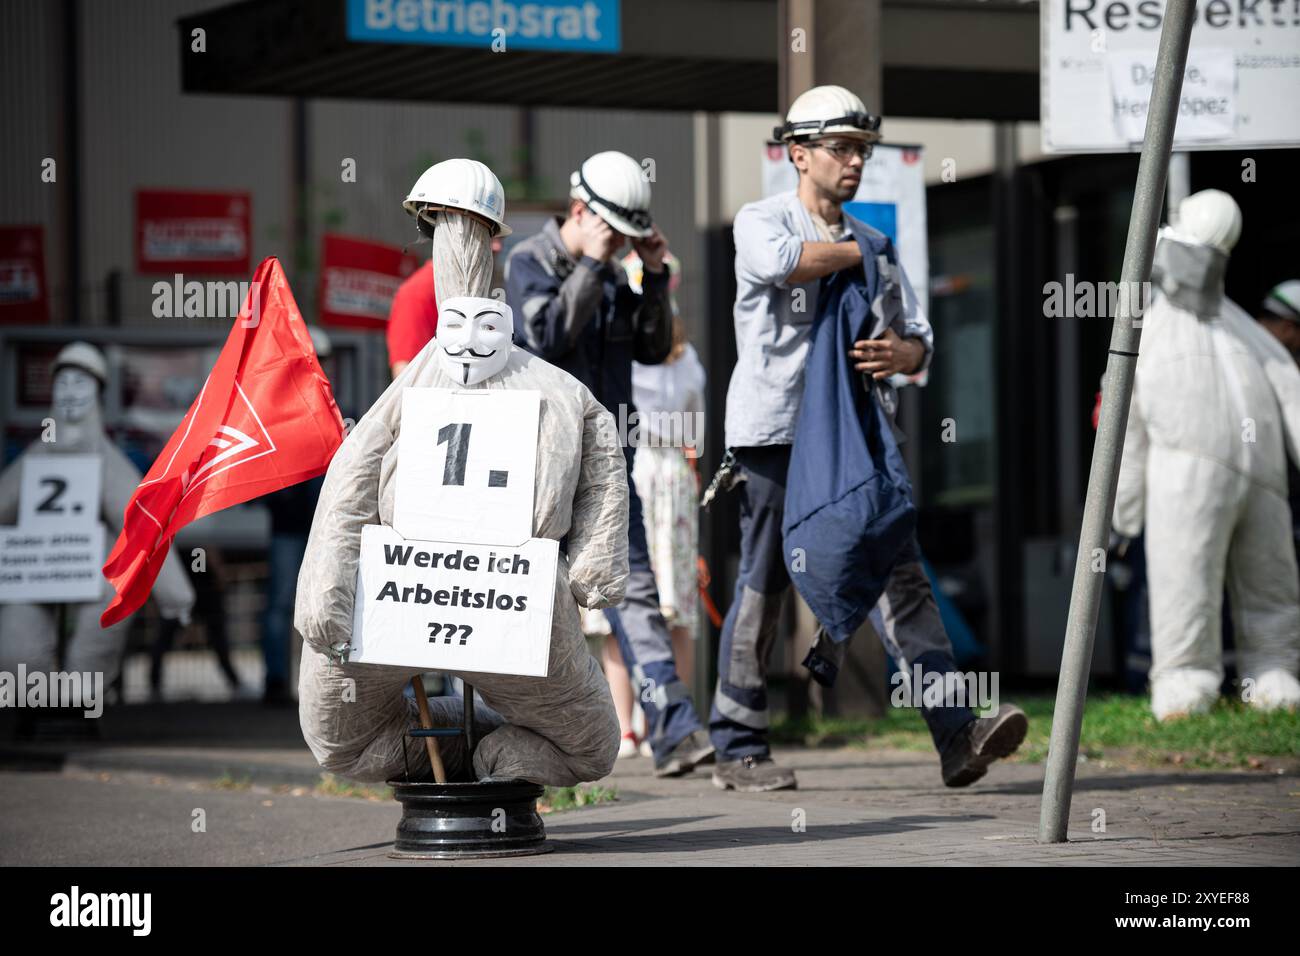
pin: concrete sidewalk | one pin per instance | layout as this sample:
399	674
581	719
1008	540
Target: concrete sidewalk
134	802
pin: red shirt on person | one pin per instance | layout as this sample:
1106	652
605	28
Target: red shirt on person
413	317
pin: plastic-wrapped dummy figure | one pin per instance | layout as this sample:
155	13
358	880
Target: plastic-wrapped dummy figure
1216	410
560	729
29	633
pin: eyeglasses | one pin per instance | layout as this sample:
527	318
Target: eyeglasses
843	151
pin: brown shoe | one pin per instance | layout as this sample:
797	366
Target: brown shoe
982	741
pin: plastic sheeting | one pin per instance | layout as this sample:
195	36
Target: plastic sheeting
560	729
1216	409
29	632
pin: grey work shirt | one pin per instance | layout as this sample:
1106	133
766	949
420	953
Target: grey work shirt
774	318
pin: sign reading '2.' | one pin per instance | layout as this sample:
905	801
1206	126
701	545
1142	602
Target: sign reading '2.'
55	551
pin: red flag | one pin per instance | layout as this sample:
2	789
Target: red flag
265	419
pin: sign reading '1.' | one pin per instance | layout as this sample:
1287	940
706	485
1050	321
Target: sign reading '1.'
466	465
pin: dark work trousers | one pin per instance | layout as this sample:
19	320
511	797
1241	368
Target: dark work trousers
644	641
906	617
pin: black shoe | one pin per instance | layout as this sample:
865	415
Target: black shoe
753	775
982	741
692	752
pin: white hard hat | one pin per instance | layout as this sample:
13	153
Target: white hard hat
459	184
1210	218
84	356
1283	300
615	187
827	110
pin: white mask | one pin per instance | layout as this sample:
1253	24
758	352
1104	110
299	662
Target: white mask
75	394
474	337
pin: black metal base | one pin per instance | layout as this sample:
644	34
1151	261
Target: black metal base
466	821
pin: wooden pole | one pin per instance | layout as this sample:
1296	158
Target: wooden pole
426	721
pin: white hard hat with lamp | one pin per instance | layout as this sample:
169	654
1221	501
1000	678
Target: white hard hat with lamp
614	185
828	111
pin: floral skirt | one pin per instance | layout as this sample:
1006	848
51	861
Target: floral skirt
670	501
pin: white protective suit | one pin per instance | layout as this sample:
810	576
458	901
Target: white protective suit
560	729
1215	412
29	633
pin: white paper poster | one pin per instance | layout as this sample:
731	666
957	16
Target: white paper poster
466	465
454	606
890	198
46	565
1207	111
55	552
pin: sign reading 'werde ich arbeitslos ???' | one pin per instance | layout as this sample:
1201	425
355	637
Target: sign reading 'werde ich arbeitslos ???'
453	606
586	26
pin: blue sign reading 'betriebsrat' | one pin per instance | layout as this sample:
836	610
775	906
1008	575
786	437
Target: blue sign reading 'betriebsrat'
588	26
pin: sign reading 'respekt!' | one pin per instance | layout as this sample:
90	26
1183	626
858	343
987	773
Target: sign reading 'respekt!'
1240	87
358	279
202	232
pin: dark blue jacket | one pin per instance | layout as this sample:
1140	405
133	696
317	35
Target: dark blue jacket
584	317
848	498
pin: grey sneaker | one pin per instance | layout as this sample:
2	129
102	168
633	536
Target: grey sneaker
692	752
753	775
982	741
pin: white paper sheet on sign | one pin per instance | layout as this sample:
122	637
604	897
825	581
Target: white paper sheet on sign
454	606
1207	111
466	465
60	491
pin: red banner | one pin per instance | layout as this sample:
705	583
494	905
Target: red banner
264	419
22	275
197	232
358	279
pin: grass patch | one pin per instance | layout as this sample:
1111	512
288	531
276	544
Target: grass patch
1115	726
558	799
332	786
228	782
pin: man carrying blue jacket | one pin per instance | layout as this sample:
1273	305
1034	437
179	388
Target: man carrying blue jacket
573	307
784	245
